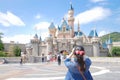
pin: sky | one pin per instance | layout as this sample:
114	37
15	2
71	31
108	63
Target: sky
20	20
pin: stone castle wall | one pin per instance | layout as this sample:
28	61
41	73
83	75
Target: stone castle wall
88	50
8	45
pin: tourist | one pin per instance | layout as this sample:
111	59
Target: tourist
43	58
78	69
59	59
21	61
55	58
48	58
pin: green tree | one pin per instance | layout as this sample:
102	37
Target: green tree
3	54
17	51
1	46
1	43
116	51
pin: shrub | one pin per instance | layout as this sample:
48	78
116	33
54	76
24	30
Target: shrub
1	45
17	51
116	51
2	54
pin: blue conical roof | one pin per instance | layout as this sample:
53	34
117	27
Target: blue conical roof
93	33
78	34
104	45
36	36
52	26
109	41
64	23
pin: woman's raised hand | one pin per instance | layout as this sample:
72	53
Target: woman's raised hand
73	50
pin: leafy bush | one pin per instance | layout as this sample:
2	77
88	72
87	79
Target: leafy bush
1	45
3	54
17	51
116	51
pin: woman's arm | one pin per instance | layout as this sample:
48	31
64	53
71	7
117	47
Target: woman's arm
67	61
70	55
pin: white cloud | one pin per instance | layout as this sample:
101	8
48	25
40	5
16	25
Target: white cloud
44	35
38	16
23	38
9	18
95	14
2	31
17	38
97	1
101	33
42	26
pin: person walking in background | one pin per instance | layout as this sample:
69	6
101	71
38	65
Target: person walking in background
55	58
59	59
21	61
78	69
43	58
48	58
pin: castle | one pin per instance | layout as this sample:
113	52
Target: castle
64	38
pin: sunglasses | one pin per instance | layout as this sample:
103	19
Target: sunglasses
79	52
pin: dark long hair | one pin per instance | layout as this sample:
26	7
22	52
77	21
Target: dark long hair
80	58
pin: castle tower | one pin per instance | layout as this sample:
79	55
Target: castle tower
95	42
52	30
64	31
71	19
96	50
35	45
49	42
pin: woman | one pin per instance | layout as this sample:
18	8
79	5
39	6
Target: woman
78	69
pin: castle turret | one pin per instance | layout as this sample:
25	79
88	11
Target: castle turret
52	30
95	42
71	18
64	31
49	42
35	45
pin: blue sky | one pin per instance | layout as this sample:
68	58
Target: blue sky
20	20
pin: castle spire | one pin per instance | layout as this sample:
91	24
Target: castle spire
71	19
71	8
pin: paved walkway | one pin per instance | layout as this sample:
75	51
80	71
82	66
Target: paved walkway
105	59
100	69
